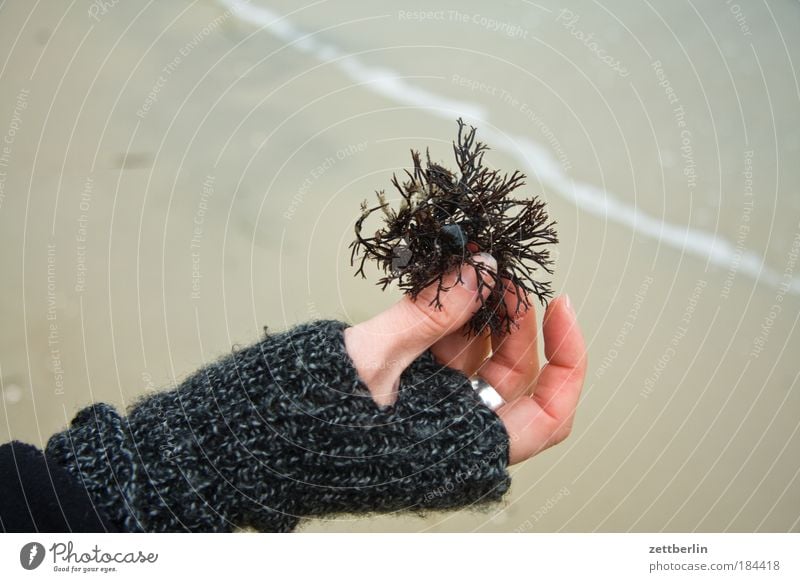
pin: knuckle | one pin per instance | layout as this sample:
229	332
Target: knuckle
430	320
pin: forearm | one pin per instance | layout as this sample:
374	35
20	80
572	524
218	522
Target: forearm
282	430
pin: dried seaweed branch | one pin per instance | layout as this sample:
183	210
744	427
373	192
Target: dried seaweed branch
443	218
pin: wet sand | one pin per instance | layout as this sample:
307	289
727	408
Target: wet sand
174	178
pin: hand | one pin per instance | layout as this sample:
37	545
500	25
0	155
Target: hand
540	403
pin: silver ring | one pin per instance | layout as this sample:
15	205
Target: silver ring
487	393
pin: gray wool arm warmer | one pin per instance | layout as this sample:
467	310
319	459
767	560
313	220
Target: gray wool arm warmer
283	430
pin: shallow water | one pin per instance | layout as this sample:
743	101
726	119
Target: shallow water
176	177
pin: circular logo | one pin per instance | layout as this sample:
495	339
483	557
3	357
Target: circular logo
31	555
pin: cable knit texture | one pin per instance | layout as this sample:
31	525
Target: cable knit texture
282	430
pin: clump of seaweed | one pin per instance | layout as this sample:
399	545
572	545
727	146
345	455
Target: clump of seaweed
443	218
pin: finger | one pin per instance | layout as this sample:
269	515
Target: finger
468	354
386	344
530	430
514	365
463	353
419	324
545	419
561	380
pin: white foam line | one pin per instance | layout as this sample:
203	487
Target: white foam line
587	197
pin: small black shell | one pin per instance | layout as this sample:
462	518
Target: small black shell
455	236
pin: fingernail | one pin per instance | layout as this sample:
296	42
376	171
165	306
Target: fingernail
487	260
568	303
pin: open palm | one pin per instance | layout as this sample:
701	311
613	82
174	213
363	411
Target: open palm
540	402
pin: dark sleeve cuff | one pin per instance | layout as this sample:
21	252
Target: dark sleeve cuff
38	495
282	430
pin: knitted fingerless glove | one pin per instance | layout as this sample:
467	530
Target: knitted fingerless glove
281	430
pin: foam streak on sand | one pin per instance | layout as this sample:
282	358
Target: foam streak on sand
541	163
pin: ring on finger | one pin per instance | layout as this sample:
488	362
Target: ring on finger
487	393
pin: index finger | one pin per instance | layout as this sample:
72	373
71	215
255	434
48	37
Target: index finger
514	364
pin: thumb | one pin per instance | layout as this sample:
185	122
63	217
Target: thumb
423	322
382	347
399	335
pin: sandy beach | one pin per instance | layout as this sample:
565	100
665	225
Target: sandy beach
176	176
